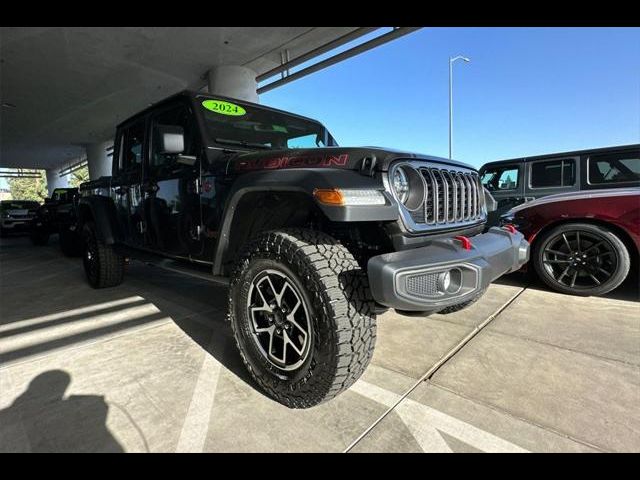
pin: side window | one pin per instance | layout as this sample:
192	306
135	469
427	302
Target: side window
131	150
614	168
306	141
179	116
501	178
553	173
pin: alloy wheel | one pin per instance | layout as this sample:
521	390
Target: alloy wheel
281	327
579	259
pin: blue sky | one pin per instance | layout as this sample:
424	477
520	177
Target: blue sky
526	91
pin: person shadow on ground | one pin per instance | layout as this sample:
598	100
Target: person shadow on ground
42	419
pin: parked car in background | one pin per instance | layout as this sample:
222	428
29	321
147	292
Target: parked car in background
582	243
57	215
519	180
15	215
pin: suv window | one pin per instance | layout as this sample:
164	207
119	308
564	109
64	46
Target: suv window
131	150
175	116
614	168
553	173
501	178
62	195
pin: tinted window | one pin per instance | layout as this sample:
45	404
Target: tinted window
501	178
62	195
178	116
614	168
133	140
554	173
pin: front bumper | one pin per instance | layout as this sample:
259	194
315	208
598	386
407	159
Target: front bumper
15	225
445	273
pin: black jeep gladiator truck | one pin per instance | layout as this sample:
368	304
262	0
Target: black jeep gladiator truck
312	238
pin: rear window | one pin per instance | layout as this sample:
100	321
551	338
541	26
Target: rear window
614	168
553	173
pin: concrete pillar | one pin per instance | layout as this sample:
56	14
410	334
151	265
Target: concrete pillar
98	161
54	180
234	81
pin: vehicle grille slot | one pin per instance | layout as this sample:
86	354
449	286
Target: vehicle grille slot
451	197
430	205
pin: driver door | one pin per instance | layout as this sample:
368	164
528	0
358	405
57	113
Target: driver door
171	186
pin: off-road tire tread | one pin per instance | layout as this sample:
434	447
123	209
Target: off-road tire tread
319	260
111	264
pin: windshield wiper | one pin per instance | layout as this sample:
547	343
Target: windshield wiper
227	141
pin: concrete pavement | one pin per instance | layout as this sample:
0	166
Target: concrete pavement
151	366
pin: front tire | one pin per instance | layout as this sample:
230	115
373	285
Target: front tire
581	259
103	266
302	316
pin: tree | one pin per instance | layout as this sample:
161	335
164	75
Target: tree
29	188
79	176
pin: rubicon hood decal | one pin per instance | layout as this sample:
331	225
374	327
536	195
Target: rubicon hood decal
293	161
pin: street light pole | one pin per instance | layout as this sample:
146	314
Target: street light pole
451	62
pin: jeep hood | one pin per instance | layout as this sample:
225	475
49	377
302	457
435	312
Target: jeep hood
350	158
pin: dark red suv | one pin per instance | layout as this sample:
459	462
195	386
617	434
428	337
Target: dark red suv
582	243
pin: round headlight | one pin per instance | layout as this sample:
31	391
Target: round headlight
408	186
401	184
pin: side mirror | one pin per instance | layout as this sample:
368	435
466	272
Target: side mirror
170	139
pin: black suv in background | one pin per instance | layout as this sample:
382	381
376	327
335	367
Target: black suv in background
519	180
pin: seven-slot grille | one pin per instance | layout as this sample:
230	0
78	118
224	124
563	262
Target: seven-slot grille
451	197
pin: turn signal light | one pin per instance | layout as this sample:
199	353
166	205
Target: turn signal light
347	197
329	196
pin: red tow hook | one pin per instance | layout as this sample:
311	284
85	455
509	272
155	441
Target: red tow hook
510	228
466	243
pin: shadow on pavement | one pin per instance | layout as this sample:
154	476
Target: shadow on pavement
42	419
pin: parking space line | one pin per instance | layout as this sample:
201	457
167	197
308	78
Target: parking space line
445	358
196	423
425	424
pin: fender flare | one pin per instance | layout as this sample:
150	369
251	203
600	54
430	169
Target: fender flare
305	181
102	211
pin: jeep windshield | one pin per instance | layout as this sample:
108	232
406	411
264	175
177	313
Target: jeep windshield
249	127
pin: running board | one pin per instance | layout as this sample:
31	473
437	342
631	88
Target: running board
189	270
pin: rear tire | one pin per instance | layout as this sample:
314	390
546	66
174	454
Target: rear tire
103	266
591	250
305	287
